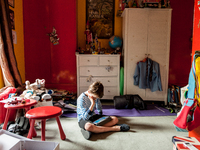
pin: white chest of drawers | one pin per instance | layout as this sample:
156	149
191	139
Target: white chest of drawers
103	68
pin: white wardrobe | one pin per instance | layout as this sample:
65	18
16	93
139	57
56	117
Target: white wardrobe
146	32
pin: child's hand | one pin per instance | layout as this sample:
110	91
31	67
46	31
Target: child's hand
92	99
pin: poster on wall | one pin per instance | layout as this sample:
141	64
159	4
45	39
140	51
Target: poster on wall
12	19
100	14
11	3
14	36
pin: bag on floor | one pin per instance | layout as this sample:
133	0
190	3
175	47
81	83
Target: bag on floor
187	119
20	126
129	102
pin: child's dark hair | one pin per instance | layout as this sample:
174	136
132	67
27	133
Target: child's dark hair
96	88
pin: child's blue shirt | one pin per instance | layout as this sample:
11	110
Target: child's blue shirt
83	105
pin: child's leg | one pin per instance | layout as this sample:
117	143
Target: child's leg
100	129
113	122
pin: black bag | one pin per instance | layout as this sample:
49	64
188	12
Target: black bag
20	126
129	102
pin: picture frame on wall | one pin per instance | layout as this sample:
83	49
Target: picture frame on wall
100	15
12	19
11	3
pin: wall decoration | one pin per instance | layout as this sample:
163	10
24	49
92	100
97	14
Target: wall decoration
53	37
100	14
12	19
11	3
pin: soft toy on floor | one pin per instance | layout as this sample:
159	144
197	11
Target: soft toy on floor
38	84
35	90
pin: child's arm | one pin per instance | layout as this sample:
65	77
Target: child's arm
83	108
99	106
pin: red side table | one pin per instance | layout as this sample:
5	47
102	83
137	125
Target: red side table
26	106
43	113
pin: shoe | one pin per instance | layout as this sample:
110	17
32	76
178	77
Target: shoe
124	127
86	134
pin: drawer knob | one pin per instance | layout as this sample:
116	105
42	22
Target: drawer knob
108	80
108	68
108	60
89	79
88	70
88	60
108	91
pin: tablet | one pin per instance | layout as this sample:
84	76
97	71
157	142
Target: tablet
103	120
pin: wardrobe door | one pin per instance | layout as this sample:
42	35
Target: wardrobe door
136	38
158	47
146	32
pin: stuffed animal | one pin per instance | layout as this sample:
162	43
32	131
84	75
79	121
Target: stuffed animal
36	90
27	85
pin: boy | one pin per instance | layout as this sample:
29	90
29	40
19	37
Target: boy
86	104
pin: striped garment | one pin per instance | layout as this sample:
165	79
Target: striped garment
83	105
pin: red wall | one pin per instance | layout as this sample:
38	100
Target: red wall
181	44
54	63
196	31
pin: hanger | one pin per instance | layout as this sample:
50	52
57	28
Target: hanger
146	57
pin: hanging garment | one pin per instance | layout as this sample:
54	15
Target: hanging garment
147	75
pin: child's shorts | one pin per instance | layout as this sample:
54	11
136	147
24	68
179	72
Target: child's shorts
82	122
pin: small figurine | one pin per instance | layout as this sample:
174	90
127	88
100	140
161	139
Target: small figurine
13	102
23	101
88	36
99	47
168	4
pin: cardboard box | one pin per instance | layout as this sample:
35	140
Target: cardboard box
178	142
11	141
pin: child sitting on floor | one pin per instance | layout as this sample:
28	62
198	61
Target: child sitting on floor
86	104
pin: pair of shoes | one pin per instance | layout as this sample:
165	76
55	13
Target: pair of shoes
86	134
124	127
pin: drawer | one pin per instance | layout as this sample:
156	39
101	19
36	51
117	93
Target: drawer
88	61
106	81
109	92
99	71
108	60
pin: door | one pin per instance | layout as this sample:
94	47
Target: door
44	60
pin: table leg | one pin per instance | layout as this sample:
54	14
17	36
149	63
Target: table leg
32	129
43	129
6	119
62	134
34	134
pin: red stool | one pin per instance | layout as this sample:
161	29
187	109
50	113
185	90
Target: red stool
43	113
26	106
